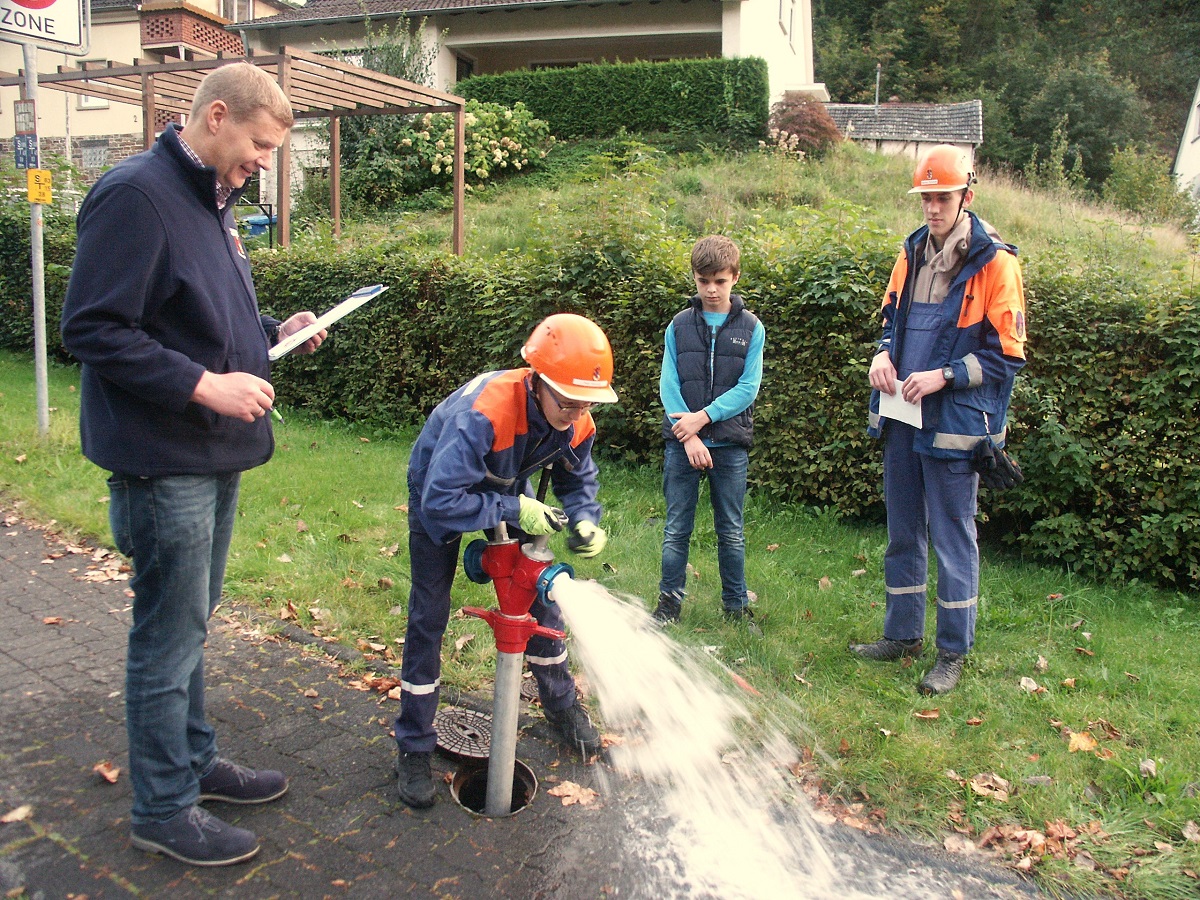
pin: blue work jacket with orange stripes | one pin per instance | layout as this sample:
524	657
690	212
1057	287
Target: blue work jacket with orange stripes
478	450
982	337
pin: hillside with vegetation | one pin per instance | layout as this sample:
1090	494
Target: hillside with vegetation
1113	74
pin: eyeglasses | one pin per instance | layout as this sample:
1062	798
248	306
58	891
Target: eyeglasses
569	408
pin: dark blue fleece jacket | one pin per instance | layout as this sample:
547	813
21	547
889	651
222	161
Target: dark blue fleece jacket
161	291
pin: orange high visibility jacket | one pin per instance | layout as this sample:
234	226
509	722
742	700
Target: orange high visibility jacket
982	338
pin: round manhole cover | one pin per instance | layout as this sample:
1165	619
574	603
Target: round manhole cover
463	732
529	689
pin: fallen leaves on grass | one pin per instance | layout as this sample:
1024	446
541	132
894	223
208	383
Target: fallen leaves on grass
927	713
572	793
989	784
1081	741
1030	686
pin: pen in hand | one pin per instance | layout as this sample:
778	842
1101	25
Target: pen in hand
276	414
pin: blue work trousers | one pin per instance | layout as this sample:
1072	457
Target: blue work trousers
433	568
727	491
177	530
929	498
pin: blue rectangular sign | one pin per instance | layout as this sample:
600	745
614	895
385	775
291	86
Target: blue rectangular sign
25	149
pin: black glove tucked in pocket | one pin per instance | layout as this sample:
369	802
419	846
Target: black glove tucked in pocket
996	468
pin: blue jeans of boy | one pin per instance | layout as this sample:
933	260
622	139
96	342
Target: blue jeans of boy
727	491
176	529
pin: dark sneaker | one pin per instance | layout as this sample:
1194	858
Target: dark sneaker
885	649
744	615
416	780
231	783
668	609
944	675
574	729
197	837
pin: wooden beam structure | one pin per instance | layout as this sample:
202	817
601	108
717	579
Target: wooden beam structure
316	86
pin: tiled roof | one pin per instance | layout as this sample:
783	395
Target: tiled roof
950	122
327	10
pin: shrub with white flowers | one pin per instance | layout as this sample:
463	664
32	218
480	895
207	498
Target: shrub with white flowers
420	153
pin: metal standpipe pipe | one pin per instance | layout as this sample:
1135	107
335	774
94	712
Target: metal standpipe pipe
520	576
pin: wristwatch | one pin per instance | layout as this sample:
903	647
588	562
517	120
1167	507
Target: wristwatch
948	374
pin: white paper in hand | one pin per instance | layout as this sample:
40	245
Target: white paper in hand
894	406
351	303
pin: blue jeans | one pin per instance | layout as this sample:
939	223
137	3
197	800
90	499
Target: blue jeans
727	491
176	529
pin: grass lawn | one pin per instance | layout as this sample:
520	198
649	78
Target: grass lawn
1081	696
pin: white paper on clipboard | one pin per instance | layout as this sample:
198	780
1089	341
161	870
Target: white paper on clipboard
347	306
894	406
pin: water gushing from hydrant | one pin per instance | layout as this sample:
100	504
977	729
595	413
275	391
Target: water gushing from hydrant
735	826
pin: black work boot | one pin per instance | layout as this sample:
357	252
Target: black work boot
574	729
886	649
415	784
670	605
944	675
744	615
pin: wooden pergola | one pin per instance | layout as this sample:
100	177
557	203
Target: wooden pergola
317	86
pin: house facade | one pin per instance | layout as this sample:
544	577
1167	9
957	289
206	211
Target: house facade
92	131
486	37
1187	160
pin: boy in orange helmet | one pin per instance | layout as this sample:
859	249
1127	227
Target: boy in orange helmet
470	470
953	341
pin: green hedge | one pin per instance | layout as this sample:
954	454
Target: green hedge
705	96
1104	417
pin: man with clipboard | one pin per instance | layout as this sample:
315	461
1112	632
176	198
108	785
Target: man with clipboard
175	399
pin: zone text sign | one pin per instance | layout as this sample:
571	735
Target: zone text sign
53	24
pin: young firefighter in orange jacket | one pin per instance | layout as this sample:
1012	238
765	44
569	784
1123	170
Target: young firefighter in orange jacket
470	470
953	340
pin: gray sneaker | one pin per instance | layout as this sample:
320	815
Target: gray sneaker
574	729
231	783
415	784
197	837
886	649
944	675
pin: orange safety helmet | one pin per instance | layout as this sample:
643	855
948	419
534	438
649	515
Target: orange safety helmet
572	355
942	168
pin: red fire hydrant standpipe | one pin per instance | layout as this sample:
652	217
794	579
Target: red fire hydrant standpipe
520	574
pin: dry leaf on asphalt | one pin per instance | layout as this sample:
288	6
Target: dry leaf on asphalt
52	620
107	771
572	793
20	814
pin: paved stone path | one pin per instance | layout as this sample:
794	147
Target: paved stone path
339	831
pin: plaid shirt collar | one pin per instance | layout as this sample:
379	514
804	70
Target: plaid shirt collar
223	192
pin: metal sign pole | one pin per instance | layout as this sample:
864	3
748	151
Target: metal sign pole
38	266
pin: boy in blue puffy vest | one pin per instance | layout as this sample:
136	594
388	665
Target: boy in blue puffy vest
711	373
